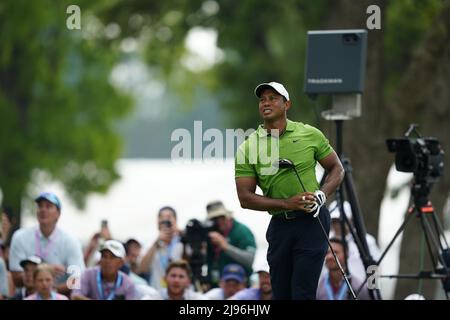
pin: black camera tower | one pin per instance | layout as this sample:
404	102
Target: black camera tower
346	191
437	245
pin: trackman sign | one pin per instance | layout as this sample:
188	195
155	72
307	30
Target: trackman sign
325	80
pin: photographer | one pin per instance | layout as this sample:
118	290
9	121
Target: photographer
166	248
233	242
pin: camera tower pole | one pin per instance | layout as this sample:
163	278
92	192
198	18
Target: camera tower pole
345	107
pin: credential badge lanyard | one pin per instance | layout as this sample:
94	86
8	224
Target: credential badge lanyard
330	294
112	294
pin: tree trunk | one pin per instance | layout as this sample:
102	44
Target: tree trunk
423	97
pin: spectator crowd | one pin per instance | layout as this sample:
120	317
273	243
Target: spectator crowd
45	262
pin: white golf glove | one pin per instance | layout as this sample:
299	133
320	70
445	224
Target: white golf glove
313	208
320	197
320	201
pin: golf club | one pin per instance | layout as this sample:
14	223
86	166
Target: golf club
288	164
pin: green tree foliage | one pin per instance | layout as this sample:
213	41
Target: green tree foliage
261	40
265	40
57	106
406	23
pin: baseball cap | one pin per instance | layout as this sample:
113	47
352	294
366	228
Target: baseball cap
115	247
234	272
415	296
278	87
31	259
334	210
50	197
216	209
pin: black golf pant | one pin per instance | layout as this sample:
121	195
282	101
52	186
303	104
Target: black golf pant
297	249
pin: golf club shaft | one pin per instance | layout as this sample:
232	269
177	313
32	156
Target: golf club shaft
329	243
337	261
300	180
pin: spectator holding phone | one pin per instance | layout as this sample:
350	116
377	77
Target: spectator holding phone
98	239
166	248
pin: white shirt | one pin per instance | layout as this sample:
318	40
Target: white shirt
145	292
189	294
163	256
355	263
354	260
215	294
58	248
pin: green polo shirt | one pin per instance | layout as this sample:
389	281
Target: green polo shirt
303	144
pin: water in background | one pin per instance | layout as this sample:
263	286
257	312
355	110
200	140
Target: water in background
132	203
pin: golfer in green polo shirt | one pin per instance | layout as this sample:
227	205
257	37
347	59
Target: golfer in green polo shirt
297	245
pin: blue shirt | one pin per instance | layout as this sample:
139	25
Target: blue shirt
3	279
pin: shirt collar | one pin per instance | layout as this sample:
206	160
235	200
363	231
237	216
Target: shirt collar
262	132
52	235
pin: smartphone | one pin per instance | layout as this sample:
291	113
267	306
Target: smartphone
104	223
166	223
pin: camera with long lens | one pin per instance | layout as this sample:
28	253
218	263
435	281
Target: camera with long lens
422	156
196	232
195	238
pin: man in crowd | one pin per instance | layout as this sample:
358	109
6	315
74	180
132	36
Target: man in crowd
354	261
264	289
332	285
106	282
234	279
29	266
233	242
178	279
51	244
133	251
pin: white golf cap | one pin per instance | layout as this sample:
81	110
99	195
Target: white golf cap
334	210
115	247
278	87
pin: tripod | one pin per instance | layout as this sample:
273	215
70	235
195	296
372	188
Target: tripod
358	230
437	244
